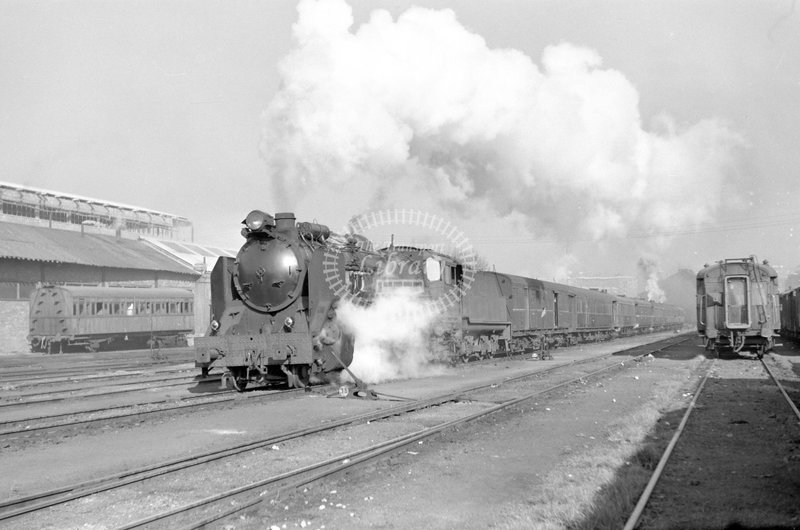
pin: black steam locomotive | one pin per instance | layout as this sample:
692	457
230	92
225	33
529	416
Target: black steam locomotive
274	307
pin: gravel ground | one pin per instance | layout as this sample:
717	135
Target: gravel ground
738	462
494	473
483	476
499	472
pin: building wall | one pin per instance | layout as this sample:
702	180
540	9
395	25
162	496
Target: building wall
19	278
14	326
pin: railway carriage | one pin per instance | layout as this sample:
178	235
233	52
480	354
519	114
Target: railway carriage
501	313
66	317
738	306
790	314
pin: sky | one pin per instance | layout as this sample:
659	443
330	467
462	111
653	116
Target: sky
561	137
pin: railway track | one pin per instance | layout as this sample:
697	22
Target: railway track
315	471
89	377
636	515
43	375
35	398
83	418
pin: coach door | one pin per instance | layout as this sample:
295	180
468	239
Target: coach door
615	314
737	302
527	293
555	309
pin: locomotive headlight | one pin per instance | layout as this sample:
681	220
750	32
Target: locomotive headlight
257	220
288	323
214	325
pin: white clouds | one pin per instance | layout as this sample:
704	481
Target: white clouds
420	103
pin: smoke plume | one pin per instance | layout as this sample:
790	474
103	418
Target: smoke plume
648	274
420	109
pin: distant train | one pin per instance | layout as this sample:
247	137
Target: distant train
274	307
790	314
483	314
94	318
738	306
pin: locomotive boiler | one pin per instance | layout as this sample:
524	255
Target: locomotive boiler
737	305
274	307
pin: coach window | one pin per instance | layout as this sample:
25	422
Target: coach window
433	270
737	302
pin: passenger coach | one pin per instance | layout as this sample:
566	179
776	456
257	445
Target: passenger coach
737	305
63	317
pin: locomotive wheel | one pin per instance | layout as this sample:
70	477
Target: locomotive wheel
299	377
239	379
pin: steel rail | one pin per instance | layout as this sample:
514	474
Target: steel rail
104	409
119	416
99	394
65	494
78	368
645	497
780	387
81	376
662	463
160	379
114	481
354	458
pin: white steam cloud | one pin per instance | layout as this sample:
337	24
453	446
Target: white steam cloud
420	107
649	272
392	337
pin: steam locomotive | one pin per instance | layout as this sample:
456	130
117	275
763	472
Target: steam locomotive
274	307
738	306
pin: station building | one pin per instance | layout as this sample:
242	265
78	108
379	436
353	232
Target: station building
60	238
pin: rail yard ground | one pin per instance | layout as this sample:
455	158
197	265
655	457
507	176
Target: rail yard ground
576	457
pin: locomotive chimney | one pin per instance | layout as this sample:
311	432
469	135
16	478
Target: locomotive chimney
284	221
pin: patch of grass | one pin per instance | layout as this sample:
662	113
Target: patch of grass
598	489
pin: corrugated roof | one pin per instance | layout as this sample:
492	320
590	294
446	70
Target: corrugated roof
64	246
200	257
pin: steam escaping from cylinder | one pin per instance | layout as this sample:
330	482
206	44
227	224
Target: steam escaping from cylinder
421	111
392	337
